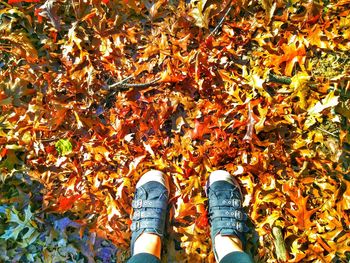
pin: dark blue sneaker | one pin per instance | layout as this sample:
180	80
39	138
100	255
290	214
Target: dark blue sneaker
226	215
149	205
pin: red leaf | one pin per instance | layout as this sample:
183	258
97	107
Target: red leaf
66	203
200	128
202	220
37	14
3	152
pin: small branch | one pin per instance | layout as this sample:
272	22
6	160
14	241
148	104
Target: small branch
5	4
141	85
330	133
279	79
122	86
220	22
280	246
48	140
120	82
123	83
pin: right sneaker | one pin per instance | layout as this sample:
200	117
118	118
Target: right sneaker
226	215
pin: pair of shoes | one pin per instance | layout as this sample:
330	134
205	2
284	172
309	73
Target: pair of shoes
150	202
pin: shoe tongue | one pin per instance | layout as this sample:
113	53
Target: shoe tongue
154	190
225	190
222	185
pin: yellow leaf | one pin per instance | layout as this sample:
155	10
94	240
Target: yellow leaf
270	7
329	101
201	14
300	88
21	43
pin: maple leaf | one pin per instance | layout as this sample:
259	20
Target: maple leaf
11	159
315	35
200	129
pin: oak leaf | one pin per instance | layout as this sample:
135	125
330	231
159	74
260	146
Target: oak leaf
301	214
291	55
201	13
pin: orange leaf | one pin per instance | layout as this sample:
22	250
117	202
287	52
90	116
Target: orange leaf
66	203
200	128
301	213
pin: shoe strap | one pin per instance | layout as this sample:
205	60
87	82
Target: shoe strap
236	214
138	214
235	203
154	224
230	224
140	203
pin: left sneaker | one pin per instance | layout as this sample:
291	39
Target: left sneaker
149	205
226	215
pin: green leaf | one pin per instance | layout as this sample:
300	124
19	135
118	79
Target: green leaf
20	225
63	147
11	160
29	237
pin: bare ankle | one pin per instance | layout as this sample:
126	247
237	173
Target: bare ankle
227	244
148	243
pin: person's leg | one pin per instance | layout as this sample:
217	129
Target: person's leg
148	243
236	257
227	244
148	221
144	258
227	218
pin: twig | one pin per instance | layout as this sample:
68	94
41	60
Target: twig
122	86
48	140
6	4
75	11
280	246
142	85
220	22
330	133
123	83
119	83
279	79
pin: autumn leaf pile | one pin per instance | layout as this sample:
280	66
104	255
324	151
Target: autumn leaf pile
93	94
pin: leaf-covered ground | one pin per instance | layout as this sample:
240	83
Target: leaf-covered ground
93	94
